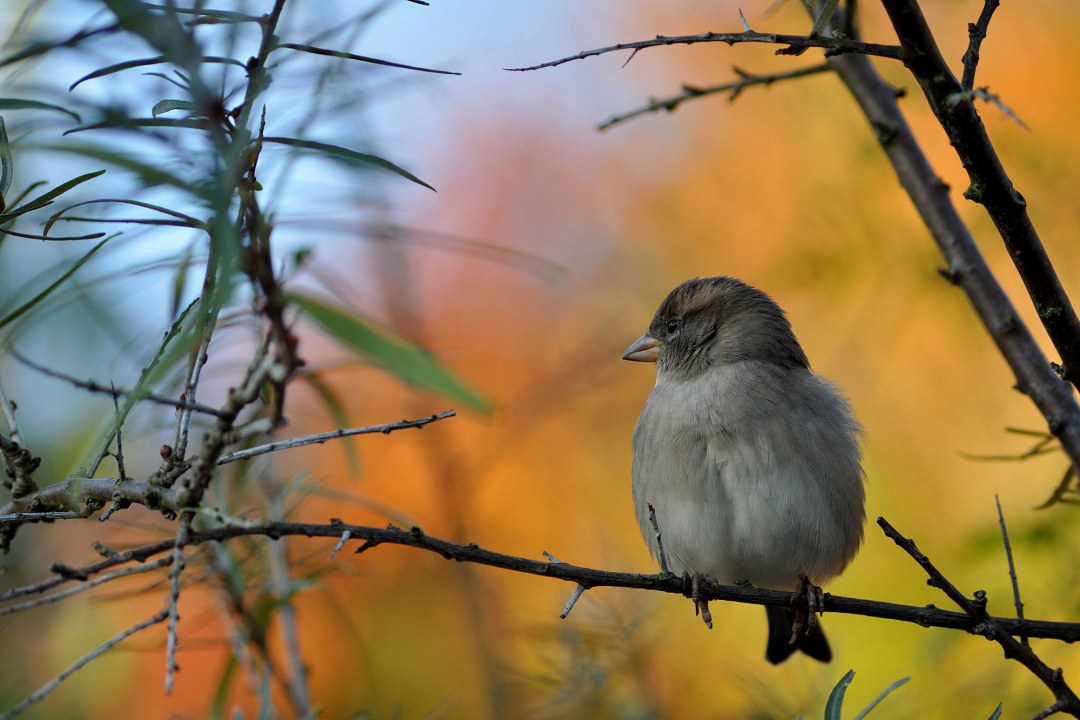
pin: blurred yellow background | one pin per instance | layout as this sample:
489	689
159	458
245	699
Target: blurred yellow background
785	189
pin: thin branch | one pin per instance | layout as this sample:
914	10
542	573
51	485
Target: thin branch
82	662
87	585
990	627
976	35
112	390
795	45
370	537
1012	566
385	429
991	187
690	92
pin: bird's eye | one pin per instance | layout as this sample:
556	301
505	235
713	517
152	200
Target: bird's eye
673	324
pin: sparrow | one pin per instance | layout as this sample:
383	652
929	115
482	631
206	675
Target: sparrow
749	462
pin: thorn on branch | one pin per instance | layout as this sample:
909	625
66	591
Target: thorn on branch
578	591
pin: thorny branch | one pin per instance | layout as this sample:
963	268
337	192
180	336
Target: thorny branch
734	88
794	45
991	186
990	627
589	578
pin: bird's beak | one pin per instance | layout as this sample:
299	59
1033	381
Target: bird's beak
645	349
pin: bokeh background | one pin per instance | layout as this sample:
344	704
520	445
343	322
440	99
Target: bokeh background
542	256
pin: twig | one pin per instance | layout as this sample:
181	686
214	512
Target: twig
48	516
735	87
297	680
87	585
82	662
173	604
119	442
578	591
976	35
990	627
660	556
7	408
1012	566
795	44
112	390
340	544
385	429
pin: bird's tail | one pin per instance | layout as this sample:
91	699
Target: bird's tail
780	647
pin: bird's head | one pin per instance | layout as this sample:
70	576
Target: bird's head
707	322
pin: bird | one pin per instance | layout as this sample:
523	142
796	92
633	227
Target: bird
746	464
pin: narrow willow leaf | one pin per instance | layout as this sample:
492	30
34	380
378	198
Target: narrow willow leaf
996	715
36	300
7	165
207	16
186	220
149	174
168	105
43	48
350	157
361	58
881	696
16	104
46	198
134	123
390	351
836	697
146	62
54	238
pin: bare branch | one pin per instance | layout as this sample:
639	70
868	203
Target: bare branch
990	627
82	662
928	616
991	187
976	35
735	87
794	45
385	429
1012	566
967	266
111	390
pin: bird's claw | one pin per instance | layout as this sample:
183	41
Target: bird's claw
701	605
806	620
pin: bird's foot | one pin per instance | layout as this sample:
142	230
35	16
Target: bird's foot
806	620
701	605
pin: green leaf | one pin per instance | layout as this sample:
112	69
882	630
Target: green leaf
390	351
361	58
880	697
836	697
996	715
350	157
134	123
7	165
46	198
169	104
184	220
16	104
32	302
149	174
145	62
